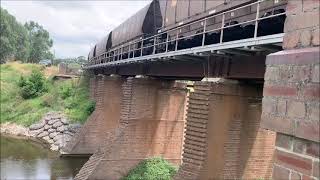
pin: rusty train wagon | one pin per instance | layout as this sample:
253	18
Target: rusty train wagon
163	17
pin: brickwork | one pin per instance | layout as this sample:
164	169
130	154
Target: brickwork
302	24
223	136
104	119
292	93
151	124
291	108
93	84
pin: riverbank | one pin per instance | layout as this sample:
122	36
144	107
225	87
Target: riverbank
69	96
53	130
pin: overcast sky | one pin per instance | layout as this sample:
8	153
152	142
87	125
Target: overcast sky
75	26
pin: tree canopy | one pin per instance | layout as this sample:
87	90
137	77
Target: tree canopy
27	43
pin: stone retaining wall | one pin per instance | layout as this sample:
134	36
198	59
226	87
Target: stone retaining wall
55	129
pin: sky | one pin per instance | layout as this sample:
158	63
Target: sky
75	26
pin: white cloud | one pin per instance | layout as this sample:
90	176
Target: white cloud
74	26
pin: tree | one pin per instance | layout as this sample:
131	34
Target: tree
81	60
13	38
40	42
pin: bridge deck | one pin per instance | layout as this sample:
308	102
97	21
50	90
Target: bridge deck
241	47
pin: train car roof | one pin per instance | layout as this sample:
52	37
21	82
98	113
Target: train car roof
90	55
101	46
130	28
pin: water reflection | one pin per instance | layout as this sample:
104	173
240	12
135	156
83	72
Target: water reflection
22	159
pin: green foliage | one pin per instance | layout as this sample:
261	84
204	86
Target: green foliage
47	100
32	86
14	38
28	43
66	90
16	109
152	169
40	42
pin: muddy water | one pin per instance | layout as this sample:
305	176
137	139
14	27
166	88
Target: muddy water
26	160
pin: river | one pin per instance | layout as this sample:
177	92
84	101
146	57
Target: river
27	160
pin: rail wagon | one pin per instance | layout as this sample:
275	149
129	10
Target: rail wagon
177	25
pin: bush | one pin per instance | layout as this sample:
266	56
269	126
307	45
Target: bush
90	107
33	85
152	169
47	100
65	91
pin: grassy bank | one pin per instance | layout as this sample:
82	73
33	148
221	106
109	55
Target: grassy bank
68	96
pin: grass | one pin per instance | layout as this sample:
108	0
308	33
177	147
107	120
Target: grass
152	169
76	104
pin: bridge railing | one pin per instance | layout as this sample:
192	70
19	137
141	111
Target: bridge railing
136	47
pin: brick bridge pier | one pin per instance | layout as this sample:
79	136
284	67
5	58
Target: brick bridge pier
224	129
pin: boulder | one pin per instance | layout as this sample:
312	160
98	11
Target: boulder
42	134
60	143
47	118
53	135
57	137
46	138
69	133
57	124
34	133
52	121
54	147
37	126
51	130
46	127
50	141
61	128
74	127
64	121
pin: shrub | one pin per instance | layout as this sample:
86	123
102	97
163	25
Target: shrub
152	169
90	107
47	100
66	90
33	85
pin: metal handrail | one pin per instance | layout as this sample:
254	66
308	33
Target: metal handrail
116	50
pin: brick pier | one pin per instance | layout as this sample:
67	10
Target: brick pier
151	124
292	94
106	91
223	135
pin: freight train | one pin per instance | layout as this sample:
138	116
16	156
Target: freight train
168	25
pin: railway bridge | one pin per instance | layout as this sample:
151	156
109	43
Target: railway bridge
249	109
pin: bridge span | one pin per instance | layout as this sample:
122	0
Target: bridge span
254	115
